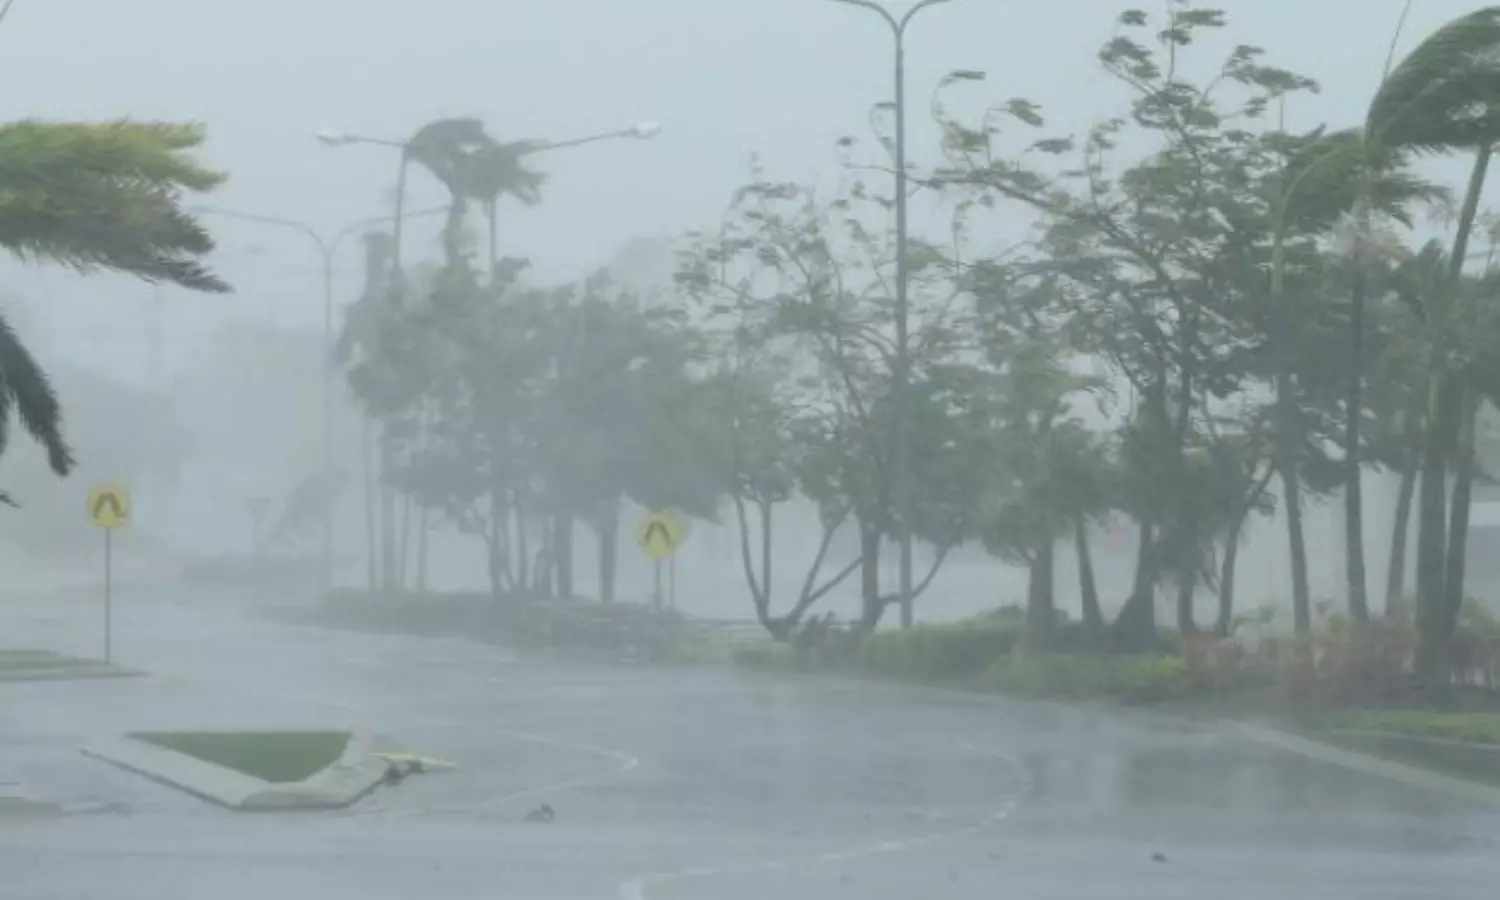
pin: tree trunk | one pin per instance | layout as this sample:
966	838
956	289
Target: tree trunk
1134	627
424	529
1443	426
388	582
1225	621
1187	567
495	549
523	551
403	557
367	453
1354	522
608	530
1458	520
541	571
1395	578
1041	605
1288	432
1297	544
562	554
872	605
1286	466
1088	590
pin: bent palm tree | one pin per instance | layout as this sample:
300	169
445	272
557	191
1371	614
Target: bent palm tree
94	197
1445	97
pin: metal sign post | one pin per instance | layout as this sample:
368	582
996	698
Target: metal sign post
660	533
109	508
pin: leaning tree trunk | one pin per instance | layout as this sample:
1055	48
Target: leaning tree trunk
1224	623
1088	590
1395	578
1286	467
1458	519
1443	428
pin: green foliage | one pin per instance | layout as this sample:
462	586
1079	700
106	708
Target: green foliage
106	196
1476	727
1129	679
954	652
279	757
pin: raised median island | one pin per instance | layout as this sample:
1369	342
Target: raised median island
278	757
253	770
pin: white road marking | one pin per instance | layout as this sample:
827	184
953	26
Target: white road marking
636	888
624	763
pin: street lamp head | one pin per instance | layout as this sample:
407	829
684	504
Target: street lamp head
332	138
645	130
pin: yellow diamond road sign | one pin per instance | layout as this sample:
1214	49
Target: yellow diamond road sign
660	533
109	505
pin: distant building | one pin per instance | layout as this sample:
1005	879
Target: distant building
646	267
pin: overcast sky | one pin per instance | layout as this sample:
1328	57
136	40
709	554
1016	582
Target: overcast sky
725	78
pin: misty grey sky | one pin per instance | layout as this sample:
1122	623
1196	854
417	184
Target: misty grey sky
725	78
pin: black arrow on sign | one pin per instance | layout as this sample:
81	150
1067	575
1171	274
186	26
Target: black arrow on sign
658	528
111	501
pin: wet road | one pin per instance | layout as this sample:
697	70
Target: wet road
672	784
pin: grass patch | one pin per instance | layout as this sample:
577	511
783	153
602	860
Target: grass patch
24	658
1474	727
1440	759
279	757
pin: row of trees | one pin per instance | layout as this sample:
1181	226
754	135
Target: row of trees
1221	324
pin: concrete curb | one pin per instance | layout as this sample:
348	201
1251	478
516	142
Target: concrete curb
15	801
342	784
1363	762
69	673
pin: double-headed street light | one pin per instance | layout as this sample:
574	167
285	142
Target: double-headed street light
901	369
327	250
331	138
335	138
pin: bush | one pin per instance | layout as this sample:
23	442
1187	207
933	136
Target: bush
951	652
1061	676
767	658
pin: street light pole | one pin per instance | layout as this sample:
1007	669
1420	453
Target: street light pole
327	252
901	487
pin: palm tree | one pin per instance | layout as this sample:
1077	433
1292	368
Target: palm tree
94	197
1445	97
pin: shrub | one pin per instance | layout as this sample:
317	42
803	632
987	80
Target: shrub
767	658
949	652
1064	676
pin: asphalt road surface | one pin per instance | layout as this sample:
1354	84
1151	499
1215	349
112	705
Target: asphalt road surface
672	784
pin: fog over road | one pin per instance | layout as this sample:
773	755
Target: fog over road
676	783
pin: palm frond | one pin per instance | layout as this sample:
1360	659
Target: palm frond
1445	94
106	197
24	385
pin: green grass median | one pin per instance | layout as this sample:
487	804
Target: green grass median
280	757
25	658
1471	727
